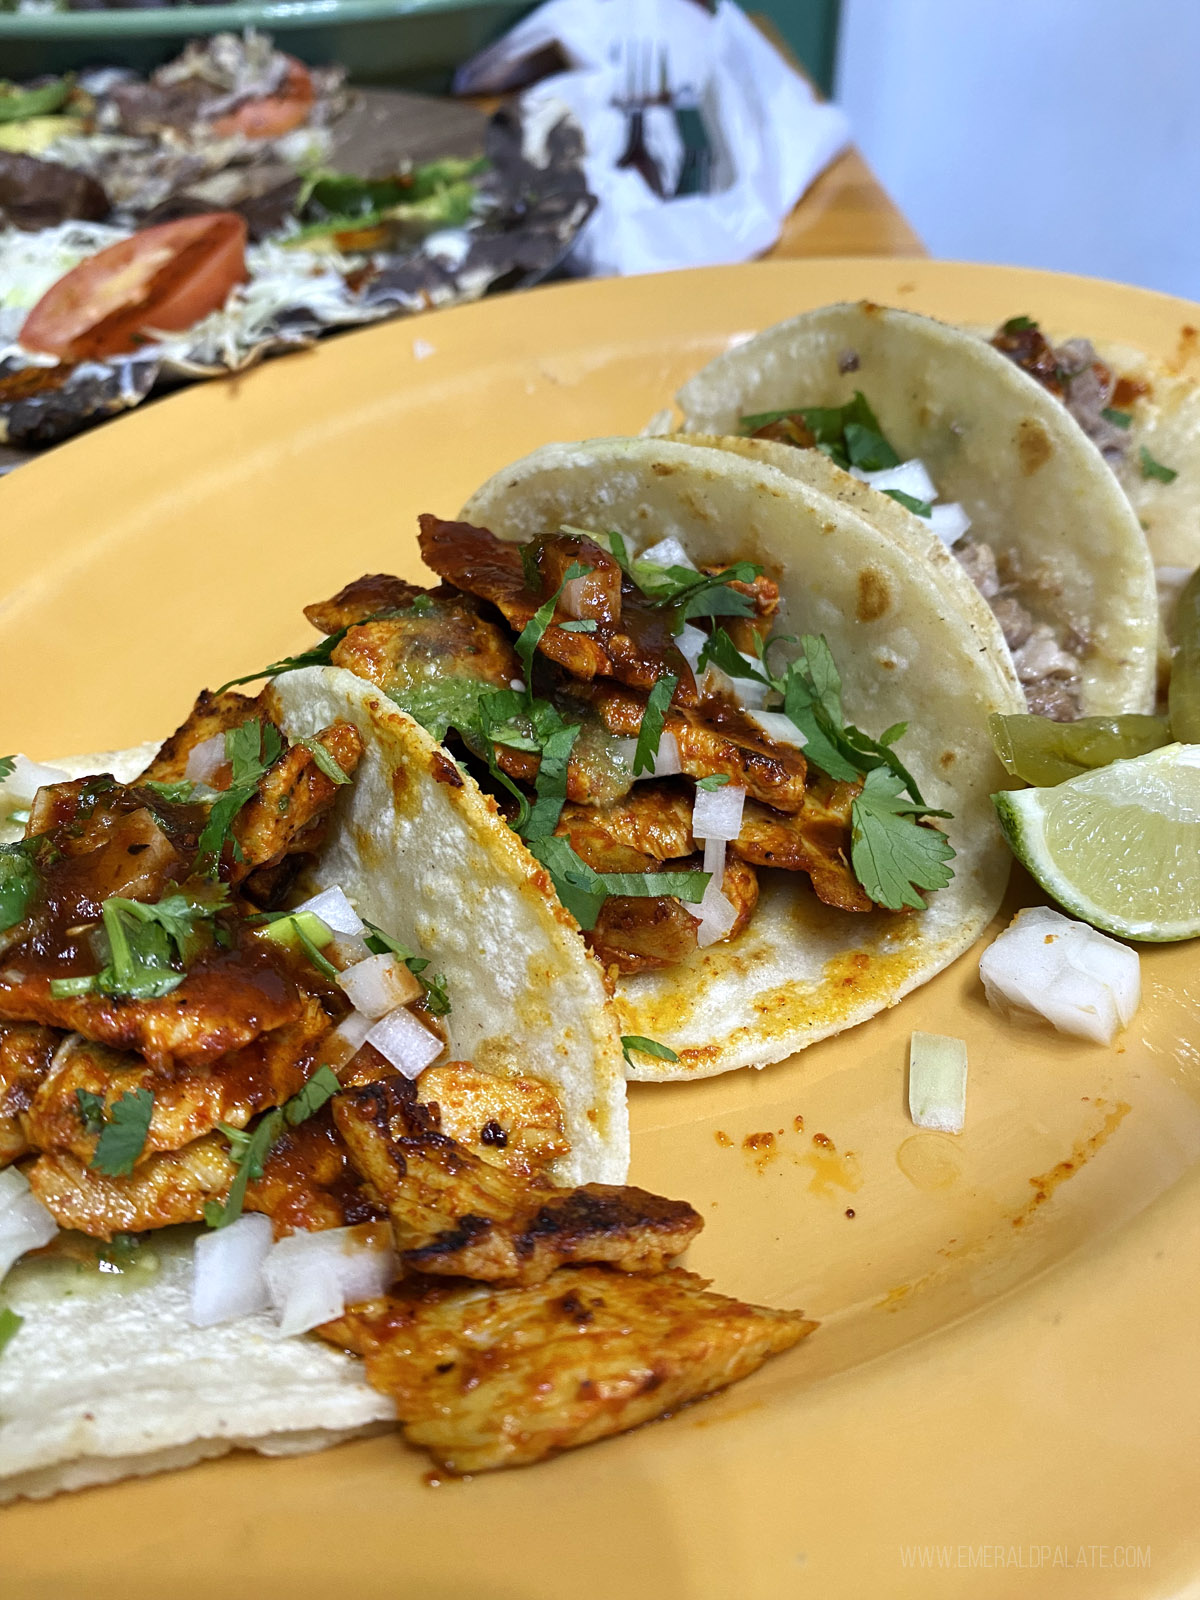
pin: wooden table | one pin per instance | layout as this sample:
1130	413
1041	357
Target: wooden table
846	212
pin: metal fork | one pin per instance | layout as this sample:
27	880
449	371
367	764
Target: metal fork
640	93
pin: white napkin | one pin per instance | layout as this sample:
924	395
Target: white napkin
770	136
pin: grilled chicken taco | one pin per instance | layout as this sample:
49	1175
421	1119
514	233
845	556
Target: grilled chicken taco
741	727
980	452
237	1105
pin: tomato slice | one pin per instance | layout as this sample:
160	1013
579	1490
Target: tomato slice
166	277
273	115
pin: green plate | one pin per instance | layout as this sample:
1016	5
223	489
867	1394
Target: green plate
415	43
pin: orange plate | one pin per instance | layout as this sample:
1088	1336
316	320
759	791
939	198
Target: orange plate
1002	1398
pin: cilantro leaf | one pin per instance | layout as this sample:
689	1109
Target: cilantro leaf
7	763
531	633
178	793
583	625
650	732
1119	419
251	749
325	762
249	1148
892	854
551	782
647	1047
316	959
379	943
687	593
449	700
10	1324
1155	469
91	1110
1019	325
849	434
249	1152
318	1091
123	1137
18	104
18	883
144	942
321	653
583	890
919	508
715	780
867	449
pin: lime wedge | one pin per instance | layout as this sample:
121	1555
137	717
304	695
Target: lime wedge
1118	847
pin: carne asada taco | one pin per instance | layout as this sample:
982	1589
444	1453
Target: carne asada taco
636	647
1141	414
978	450
383	1159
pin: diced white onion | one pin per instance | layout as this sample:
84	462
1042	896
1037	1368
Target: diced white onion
748	692
449	245
667	552
949	522
666	760
26	778
312	1277
1081	981
334	910
717	813
346	1040
378	985
405	1042
691	641
717	914
573	598
910	477
779	728
624	750
227	1278
937	1082
344	950
25	1223
205	759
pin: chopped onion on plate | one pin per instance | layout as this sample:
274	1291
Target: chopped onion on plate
1079	980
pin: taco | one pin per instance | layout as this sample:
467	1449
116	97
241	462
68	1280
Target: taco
604	655
982	453
395	1104
1143	415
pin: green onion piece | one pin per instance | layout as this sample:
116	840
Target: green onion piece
937	1082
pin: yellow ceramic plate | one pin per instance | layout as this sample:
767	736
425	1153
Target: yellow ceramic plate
1002	1398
